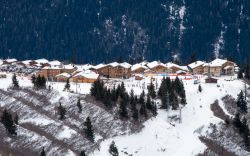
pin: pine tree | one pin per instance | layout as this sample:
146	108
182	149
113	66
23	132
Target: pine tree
199	88
154	110
149	102
246	137
247	72
33	80
243	125
89	132
61	111
165	100
16	119
135	113
15	81
123	109
141	99
143	110
67	85
82	153
79	105
241	102
236	120
113	149
151	90
42	152
240	74
7	121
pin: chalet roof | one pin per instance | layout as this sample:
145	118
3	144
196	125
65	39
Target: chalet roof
42	61
69	66
88	74
155	64
170	65
55	63
196	64
52	67
26	62
64	75
99	66
125	65
11	60
137	66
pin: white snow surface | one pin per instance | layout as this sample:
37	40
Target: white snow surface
160	138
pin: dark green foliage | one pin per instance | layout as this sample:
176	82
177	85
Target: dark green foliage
247	71
7	121
199	88
39	82
141	99
143	110
82	153
61	111
79	106
67	85
89	132
240	74
16	119
241	102
154	110
135	113
236	120
113	149
123	109
227	122
149	103
15	81
42	152
151	90
165	104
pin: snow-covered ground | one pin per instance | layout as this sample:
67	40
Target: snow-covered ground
160	136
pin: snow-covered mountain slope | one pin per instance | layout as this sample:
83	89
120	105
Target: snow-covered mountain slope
162	137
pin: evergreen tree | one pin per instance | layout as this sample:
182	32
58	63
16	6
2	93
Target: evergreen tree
123	109
236	120
227	122
240	74
16	119
141	99
241	102
7	121
143	110
42	152
243	125
246	137
154	110
199	88
113	149
247	72
67	85
89	132
149	103
33	79
165	100
15	81
151	90
79	105
61	111
135	113
82	153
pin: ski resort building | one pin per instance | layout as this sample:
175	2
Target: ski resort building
85	77
196	67
219	67
157	67
63	77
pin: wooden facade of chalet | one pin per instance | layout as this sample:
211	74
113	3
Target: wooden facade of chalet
173	69
198	70
114	72
61	78
83	79
159	69
69	71
225	69
50	73
211	80
139	70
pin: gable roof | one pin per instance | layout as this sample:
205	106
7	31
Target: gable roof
196	64
155	64
137	66
88	74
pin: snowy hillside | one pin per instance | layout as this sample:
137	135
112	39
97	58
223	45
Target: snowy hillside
162	135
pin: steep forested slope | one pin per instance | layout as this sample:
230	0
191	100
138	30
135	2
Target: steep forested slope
105	30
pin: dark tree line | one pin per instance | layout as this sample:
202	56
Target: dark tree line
244	71
9	122
39	82
129	105
172	93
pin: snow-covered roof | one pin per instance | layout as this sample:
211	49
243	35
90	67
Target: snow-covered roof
170	65
52	67
216	63
84	67
88	74
11	60
55	63
228	67
114	64
184	68
69	66
99	66
26	62
41	61
125	65
196	64
137	66
64	74
155	64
